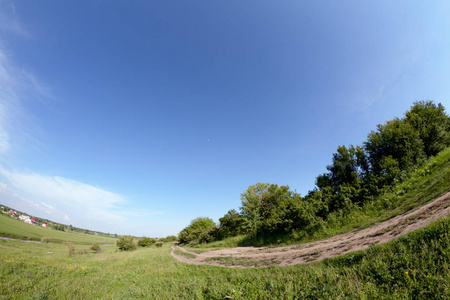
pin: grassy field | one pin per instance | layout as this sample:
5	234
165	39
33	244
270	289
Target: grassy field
13	228
415	266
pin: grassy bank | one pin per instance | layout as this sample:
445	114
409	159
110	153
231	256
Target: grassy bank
414	266
416	189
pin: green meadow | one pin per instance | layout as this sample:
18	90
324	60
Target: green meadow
10	227
415	266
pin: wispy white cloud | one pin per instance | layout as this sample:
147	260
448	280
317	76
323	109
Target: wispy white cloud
17	127
9	20
8	99
67	200
65	195
46	205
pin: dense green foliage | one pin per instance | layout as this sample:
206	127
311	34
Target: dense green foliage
126	243
415	266
268	208
145	242
231	224
170	238
357	177
201	230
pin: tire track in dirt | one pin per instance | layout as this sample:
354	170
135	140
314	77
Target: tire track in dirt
248	257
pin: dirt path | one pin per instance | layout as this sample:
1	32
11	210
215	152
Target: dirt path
248	257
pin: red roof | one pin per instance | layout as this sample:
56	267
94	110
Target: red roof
33	219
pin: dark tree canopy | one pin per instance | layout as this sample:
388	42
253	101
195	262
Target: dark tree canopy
231	224
432	124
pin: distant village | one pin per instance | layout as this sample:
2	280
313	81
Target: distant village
25	218
46	223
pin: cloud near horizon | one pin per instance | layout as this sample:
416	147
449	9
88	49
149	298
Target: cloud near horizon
65	199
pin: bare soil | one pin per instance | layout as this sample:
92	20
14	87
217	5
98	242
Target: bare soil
248	257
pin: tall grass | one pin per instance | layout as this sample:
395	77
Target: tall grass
415	266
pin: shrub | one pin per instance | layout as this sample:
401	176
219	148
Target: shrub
126	243
158	244
96	247
70	248
83	251
171	238
146	242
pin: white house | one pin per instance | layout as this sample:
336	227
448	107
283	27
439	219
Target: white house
24	217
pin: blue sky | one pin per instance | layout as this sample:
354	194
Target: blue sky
136	117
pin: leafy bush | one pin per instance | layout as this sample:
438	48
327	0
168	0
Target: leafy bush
201	230
96	247
158	244
126	243
231	224
269	208
146	242
170	238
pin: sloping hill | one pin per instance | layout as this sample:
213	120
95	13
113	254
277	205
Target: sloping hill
245	257
13	228
410	204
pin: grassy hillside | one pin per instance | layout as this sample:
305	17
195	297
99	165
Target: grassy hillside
414	266
417	188
13	228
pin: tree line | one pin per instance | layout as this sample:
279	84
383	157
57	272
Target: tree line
356	175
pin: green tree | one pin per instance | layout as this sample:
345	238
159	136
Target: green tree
395	139
200	230
432	124
251	201
349	166
231	224
269	208
349	173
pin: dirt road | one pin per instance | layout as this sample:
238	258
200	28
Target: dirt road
248	257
